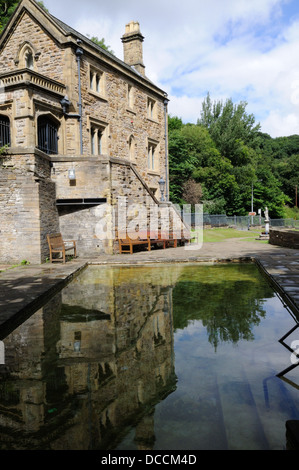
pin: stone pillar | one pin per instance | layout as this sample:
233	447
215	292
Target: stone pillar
133	50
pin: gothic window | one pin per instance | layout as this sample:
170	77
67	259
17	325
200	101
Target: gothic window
130	97
47	131
132	148
26	56
4	131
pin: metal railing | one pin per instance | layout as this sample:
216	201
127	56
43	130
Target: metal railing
4	131
239	222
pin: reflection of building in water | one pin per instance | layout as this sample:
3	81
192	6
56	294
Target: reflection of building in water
90	364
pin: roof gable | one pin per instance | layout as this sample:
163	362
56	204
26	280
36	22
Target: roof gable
42	17
64	34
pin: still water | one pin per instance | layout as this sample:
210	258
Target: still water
172	357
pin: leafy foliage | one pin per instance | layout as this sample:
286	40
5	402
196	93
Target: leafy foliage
101	43
227	317
229	157
3	150
7	7
230	127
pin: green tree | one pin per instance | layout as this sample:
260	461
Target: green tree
101	43
227	156
7	7
287	172
230	127
281	156
267	192
181	164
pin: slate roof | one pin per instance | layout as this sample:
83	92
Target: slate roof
71	31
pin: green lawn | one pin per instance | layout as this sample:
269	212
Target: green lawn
221	234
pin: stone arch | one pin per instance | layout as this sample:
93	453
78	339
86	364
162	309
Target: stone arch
48	127
132	147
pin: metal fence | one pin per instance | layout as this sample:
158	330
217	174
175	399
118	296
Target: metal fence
239	222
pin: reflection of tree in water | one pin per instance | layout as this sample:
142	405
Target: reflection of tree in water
228	301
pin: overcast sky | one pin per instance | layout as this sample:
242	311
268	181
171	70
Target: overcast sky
247	50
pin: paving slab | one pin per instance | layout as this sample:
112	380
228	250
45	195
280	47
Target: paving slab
24	289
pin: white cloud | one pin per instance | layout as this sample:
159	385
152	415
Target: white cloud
281	125
185	107
233	49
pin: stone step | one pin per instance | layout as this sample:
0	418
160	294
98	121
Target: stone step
237	400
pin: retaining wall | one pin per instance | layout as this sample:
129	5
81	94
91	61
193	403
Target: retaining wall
286	238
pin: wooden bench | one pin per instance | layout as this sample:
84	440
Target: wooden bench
126	245
160	239
184	237
58	245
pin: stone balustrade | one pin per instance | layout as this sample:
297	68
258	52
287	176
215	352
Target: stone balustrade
27	76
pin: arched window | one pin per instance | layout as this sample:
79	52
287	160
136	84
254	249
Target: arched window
4	131
132	148
47	134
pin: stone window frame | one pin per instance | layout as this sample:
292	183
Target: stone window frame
51	117
94	127
4	133
97	82
130	97
153	161
132	148
26	50
151	109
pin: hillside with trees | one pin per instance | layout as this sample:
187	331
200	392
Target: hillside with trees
222	158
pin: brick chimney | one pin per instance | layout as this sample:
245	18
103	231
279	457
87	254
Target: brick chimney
133	50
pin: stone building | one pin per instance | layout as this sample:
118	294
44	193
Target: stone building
82	129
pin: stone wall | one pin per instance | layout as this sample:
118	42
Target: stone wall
48	56
124	121
28	212
286	238
126	197
93	227
88	225
92	177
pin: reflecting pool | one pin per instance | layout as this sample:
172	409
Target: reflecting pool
165	357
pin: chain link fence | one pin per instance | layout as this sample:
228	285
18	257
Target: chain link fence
239	222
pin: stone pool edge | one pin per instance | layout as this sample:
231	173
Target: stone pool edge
38	284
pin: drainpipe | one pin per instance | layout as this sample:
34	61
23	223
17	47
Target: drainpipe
79	53
166	149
